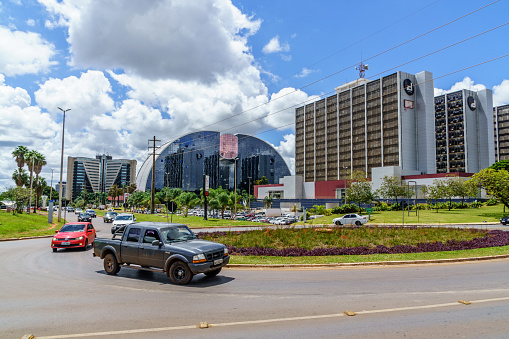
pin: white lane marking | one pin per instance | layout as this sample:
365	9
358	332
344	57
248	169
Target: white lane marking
264	321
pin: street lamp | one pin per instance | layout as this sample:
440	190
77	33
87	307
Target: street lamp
61	167
51	185
235	186
249	194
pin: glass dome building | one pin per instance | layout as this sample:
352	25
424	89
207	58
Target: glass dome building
183	162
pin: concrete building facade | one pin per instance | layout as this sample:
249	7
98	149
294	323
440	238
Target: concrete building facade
365	125
464	142
501	123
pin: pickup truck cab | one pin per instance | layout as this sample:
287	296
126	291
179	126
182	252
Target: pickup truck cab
172	248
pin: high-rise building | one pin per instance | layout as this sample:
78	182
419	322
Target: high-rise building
365	125
181	163
463	120
98	175
501	122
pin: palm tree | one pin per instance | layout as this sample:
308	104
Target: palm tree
30	157
187	200
19	153
39	188
20	177
113	192
39	162
267	201
223	199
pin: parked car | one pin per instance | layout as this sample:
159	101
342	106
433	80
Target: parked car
92	213
72	235
78	211
84	217
109	216
350	219
171	248
70	209
122	219
505	220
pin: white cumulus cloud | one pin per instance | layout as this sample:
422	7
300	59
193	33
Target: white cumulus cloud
24	53
274	46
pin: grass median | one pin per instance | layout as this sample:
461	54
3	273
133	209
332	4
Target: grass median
26	225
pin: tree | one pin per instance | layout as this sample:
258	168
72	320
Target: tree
262	181
391	188
502	164
496	183
459	188
20	177
30	158
167	195
359	190
19	195
39	188
115	192
39	162
20	153
267	201
223	200
187	200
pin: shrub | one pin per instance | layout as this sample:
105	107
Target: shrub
492	202
476	204
383	206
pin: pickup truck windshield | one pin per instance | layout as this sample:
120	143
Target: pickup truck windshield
179	233
73	228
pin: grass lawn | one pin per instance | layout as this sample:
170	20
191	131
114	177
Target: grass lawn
444	216
26	225
336	259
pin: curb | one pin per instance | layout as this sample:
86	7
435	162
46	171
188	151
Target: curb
381	263
27	238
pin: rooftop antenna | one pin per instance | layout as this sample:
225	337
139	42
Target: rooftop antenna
362	68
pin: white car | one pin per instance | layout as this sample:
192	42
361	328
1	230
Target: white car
350	219
121	220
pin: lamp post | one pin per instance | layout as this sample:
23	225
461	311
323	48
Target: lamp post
249	194
235	187
51	185
61	167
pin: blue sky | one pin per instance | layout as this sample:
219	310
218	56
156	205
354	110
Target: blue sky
130	70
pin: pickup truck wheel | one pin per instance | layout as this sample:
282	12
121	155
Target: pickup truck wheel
213	273
111	265
180	273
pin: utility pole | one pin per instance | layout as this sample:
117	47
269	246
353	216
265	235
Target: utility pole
153	190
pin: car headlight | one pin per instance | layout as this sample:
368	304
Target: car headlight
80	238
55	239
225	251
199	258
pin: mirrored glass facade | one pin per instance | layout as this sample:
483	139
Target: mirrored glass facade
183	162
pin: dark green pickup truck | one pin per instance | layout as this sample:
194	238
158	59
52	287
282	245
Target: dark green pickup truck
172	248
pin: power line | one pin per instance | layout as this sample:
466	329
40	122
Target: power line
340	71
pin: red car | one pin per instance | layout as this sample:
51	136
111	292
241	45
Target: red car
77	234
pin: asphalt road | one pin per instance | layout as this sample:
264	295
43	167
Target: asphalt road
68	295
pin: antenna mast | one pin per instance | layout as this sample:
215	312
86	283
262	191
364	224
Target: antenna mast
362	69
